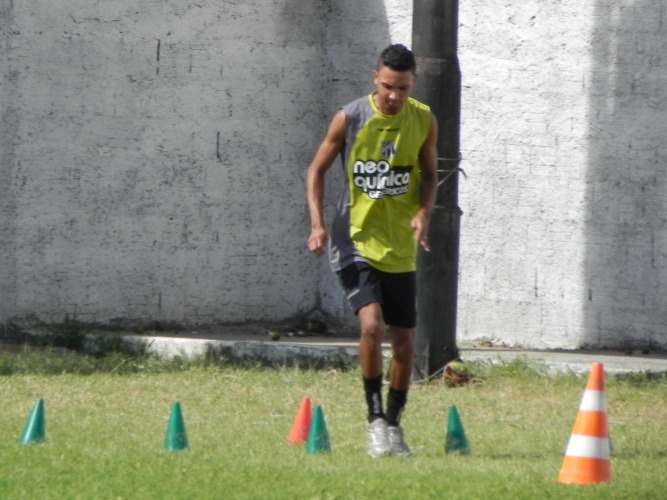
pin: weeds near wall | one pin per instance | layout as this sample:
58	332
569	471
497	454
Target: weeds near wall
70	334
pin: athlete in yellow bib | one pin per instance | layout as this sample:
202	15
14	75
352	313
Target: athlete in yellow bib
373	221
387	142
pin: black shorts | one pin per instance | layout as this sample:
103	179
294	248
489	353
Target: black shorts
395	292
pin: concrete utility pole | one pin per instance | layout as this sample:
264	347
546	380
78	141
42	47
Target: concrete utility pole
434	42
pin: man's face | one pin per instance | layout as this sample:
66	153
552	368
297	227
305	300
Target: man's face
393	88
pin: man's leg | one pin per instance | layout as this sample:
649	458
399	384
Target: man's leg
373	329
403	351
403	360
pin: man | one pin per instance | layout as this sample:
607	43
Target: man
387	142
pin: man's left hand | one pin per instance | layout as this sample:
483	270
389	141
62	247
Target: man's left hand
420	226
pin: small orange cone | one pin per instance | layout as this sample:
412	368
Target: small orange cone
587	455
301	427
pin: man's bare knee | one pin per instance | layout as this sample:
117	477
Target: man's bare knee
373	329
402	345
403	352
371	323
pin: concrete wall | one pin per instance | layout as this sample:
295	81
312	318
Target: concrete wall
563	132
153	153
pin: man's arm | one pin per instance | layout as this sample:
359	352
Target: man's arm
324	158
428	188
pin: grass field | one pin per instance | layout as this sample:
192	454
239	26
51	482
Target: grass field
106	431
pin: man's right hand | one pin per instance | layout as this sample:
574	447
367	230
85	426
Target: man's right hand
330	147
318	241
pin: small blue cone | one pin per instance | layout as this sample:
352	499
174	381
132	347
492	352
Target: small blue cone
456	437
318	437
34	430
176	438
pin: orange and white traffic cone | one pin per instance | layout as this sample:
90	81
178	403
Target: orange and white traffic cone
587	455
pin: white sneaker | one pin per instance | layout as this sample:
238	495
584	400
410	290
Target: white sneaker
377	438
396	441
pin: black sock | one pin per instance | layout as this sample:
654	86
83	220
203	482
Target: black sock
395	403
373	390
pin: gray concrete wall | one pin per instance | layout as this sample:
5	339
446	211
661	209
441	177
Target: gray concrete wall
153	153
563	132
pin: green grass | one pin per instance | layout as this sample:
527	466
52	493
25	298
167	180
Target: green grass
105	435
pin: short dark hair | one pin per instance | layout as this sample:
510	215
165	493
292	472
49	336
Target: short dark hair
399	58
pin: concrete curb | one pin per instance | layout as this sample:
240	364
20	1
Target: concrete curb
337	353
318	353
263	353
558	362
